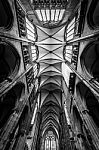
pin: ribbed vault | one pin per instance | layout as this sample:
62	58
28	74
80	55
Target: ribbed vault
50	18
50	46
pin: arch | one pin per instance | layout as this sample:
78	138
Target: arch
51	86
50	139
9	61
90	101
93	14
6	16
89	59
8	102
51	109
50	128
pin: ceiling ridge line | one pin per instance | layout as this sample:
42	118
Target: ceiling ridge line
57	81
44	90
56	48
49	67
38	43
41	102
52	109
44	63
43	56
45	81
50	75
51	122
41	61
56	84
58	73
48	96
49	50
44	48
43	39
49	82
46	126
51	100
55	67
48	63
53	105
57	55
58	30
51	59
49	116
57	99
43	31
56	39
44	69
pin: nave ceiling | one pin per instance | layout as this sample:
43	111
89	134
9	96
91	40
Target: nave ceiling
50	45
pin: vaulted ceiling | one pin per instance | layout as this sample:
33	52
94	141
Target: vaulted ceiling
50	44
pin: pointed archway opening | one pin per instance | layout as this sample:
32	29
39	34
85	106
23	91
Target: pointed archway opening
6	16
9	101
9	61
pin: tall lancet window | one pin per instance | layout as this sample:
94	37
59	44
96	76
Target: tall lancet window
48	15
49	12
50	141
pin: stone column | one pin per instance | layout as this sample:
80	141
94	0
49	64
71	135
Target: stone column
65	139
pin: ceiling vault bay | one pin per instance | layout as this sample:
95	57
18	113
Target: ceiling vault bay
50	46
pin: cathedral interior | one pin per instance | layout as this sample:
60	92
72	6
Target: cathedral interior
49	89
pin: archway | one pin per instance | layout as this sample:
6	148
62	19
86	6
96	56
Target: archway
8	102
9	61
93	14
6	16
90	59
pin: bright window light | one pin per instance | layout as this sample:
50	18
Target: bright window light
61	14
48	14
39	15
44	15
52	14
57	14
